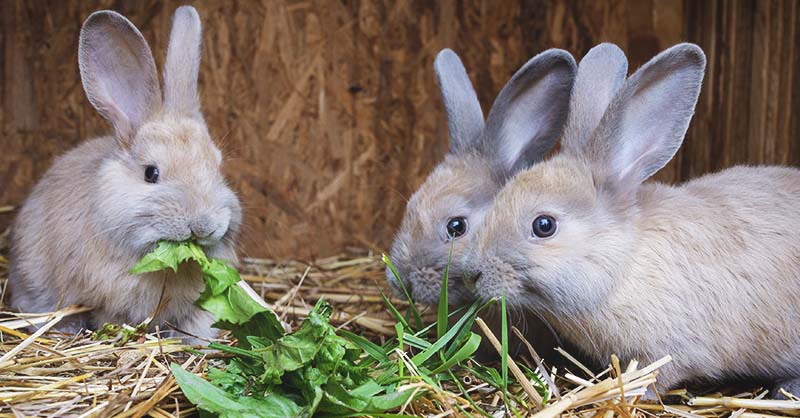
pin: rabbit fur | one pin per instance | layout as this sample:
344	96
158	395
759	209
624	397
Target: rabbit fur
524	123
706	271
93	215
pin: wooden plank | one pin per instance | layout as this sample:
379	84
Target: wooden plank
329	112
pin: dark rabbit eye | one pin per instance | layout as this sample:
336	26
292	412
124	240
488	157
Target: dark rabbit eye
151	174
544	226
456	227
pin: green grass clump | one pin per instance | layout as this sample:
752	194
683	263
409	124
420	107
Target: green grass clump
318	370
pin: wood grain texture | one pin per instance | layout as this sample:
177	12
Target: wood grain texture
329	111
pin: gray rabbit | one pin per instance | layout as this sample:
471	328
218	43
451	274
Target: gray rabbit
104	204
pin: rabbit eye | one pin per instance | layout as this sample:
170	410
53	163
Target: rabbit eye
456	227
151	174
544	226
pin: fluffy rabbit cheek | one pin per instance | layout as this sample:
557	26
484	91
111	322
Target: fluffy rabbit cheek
125	215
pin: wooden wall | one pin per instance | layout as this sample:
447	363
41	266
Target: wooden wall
329	110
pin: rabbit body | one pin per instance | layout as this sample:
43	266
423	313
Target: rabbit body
706	271
96	212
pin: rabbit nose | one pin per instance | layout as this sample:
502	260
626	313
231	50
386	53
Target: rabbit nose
203	227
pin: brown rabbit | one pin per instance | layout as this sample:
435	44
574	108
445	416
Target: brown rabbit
104	204
706	271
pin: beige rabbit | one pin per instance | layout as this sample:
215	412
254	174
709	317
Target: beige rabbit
523	125
104	204
707	271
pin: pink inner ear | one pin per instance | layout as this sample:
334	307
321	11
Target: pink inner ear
118	71
648	137
123	77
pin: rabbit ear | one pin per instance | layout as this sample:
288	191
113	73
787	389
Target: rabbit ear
183	64
464	114
601	75
645	124
529	114
118	72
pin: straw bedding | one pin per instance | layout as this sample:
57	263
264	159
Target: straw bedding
50	374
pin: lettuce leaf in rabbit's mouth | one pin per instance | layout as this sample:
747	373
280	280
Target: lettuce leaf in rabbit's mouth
273	373
222	297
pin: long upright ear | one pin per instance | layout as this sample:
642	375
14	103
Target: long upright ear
645	124
183	64
529	114
464	114
118	72
601	75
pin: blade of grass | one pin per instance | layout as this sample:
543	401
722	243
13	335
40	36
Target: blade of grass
466	351
486	374
234	350
467	396
441	317
465	331
536	381
393	310
424	331
512	366
411	305
373	350
442	342
400	335
416	342
504	345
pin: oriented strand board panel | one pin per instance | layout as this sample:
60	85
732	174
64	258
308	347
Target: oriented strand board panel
329	113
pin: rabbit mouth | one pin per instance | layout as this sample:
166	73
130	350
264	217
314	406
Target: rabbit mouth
208	242
424	286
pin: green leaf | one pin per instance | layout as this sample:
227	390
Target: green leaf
537	382
400	341
212	399
219	276
373	350
168	255
467	396
230	379
416	342
389	401
441	317
504	344
232	305
393	310
420	358
465	331
263	325
487	374
293	351
466	351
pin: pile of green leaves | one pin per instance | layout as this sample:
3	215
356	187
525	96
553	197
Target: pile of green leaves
317	371
272	373
450	351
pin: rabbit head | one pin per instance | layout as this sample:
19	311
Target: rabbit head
523	125
164	181
557	235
